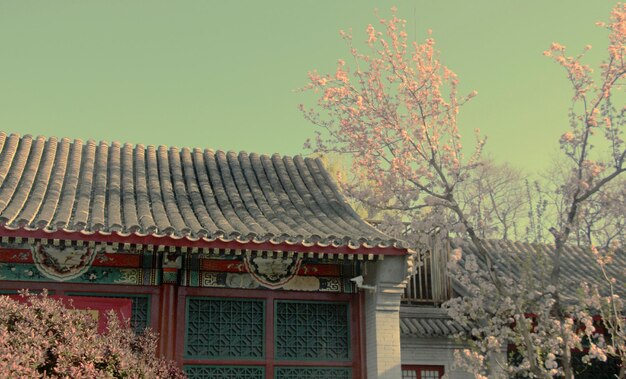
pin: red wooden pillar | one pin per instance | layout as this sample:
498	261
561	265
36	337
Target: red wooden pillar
167	320
168	303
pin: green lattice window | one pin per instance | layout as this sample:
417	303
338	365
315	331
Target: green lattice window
224	372
225	328
312	331
313	373
140	308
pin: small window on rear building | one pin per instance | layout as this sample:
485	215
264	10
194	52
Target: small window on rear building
422	372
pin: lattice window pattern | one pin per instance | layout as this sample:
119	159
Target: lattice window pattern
224	372
312	330
313	373
140	308
225	328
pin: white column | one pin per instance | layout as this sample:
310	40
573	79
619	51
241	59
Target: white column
382	317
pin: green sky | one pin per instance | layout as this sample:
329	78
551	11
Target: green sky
223	74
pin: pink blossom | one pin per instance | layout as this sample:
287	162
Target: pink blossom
42	337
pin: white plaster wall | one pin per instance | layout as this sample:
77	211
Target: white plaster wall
432	351
370	335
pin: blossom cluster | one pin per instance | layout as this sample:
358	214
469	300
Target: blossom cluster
513	332
41	338
394	110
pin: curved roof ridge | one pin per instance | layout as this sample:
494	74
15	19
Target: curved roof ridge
115	187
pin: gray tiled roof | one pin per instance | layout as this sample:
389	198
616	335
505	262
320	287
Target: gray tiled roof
100	187
521	260
517	260
427	322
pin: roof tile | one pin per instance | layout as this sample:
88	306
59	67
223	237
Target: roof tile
521	260
111	187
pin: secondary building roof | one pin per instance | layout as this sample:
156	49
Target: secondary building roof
424	321
58	185
532	263
525	263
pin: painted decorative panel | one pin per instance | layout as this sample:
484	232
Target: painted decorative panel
272	273
224	328
62	261
246	281
313	373
291	274
100	275
224	372
312	331
76	264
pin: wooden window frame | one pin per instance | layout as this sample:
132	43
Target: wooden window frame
161	322
270	297
419	368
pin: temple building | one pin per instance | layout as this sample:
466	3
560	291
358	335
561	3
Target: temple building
248	266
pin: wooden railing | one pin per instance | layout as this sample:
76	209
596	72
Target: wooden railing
430	282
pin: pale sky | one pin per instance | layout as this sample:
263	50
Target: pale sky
224	74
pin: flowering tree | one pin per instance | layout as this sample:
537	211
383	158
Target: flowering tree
600	220
395	112
397	118
593	115
40	338
494	199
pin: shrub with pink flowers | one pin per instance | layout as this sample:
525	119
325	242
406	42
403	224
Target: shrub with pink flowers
41	338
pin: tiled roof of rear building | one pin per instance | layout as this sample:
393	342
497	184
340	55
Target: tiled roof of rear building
532	262
54	184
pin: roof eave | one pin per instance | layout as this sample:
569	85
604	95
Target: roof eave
200	243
